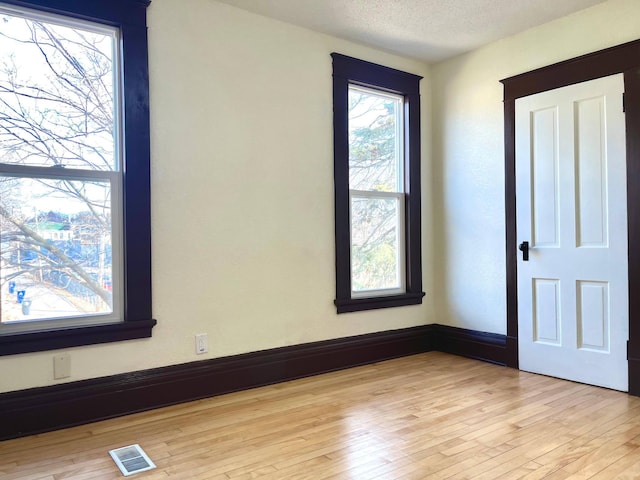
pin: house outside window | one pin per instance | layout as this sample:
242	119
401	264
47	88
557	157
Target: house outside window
377	185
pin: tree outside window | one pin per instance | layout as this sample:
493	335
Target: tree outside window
60	247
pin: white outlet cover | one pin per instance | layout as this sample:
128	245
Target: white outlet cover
61	366
202	343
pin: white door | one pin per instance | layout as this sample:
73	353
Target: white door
573	319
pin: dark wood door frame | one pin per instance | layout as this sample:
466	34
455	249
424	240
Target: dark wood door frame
624	59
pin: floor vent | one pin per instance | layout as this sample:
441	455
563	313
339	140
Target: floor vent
131	459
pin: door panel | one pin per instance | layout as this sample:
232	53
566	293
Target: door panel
591	173
593	315
546	311
545	174
571	207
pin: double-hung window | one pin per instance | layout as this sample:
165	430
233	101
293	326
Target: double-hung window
377	185
74	174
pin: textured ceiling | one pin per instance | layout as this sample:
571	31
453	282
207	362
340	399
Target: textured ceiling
430	30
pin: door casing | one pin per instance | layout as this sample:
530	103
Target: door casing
623	59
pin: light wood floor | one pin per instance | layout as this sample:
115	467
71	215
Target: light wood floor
428	416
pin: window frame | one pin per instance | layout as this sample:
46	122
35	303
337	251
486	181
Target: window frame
129	17
396	194
352	71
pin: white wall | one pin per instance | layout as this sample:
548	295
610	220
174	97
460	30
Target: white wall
242	194
468	154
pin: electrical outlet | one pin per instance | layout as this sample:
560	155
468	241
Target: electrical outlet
61	366
202	343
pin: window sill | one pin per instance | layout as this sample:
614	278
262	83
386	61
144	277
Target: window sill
38	341
360	304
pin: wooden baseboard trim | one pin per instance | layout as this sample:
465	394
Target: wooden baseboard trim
512	352
37	410
634	375
490	347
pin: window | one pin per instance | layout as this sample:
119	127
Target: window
74	174
377	185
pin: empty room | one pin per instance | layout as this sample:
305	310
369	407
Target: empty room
332	239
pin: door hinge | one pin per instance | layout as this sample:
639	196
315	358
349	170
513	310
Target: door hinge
624	103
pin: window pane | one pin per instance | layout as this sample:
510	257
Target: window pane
56	95
56	248
375	141
375	262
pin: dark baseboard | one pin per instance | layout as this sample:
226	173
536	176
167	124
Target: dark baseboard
634	375
490	347
512	352
37	410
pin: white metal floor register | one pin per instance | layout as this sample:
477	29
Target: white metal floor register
131	459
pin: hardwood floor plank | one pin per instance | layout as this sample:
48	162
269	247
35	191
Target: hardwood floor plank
626	467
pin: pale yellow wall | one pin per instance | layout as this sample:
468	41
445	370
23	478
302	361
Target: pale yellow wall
242	194
468	154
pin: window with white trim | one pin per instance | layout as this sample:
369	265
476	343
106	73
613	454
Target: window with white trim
377	185
376	190
60	171
72	269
